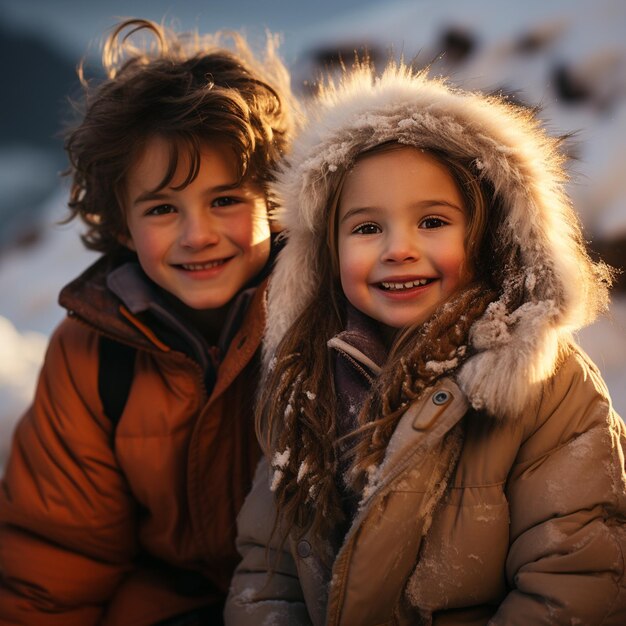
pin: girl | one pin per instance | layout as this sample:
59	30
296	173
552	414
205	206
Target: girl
441	451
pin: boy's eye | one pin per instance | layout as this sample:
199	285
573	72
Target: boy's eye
161	209
223	201
366	229
432	222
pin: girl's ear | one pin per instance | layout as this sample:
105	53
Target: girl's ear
275	226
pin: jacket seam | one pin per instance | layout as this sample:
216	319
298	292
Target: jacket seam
342	591
356	365
479	486
609	611
401	465
552	451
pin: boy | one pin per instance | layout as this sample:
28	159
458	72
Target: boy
126	474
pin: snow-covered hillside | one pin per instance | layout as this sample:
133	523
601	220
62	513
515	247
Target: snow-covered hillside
30	279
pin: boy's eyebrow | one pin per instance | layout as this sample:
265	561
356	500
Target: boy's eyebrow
149	195
161	195
226	187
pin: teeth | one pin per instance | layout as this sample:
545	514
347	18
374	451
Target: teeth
201	266
407	285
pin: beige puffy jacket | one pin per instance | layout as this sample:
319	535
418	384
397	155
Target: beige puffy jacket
530	529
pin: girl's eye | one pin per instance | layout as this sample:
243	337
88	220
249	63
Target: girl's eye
432	222
224	201
161	209
366	229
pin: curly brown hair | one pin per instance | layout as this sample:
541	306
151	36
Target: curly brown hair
186	88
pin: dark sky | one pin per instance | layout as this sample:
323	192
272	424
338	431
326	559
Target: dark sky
76	24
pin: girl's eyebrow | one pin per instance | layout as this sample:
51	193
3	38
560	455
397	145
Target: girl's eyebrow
424	204
451	205
355	211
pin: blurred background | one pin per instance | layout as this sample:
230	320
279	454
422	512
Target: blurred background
567	57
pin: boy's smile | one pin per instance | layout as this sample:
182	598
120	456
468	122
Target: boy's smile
203	242
401	235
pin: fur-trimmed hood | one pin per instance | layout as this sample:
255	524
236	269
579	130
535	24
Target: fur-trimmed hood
563	290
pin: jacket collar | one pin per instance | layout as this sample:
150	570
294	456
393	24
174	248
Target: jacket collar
359	353
141	296
111	292
361	344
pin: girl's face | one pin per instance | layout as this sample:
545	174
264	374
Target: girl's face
400	236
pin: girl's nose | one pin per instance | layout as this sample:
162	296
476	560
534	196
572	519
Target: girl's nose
199	232
400	247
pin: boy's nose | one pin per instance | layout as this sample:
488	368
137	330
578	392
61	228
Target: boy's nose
199	233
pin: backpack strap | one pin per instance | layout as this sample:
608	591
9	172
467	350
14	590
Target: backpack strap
116	368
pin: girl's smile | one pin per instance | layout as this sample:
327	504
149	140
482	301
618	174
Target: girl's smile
402	288
401	236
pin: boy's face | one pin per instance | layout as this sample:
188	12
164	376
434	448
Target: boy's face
204	242
400	236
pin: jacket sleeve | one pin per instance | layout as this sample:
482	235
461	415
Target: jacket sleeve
567	496
265	587
66	515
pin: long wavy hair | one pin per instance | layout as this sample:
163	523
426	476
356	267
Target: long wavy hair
296	417
185	88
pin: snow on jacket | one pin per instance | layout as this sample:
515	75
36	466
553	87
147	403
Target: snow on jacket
501	499
128	524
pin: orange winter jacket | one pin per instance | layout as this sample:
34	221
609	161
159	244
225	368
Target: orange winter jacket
134	523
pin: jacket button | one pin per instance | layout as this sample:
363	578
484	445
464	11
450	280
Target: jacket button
441	397
303	549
